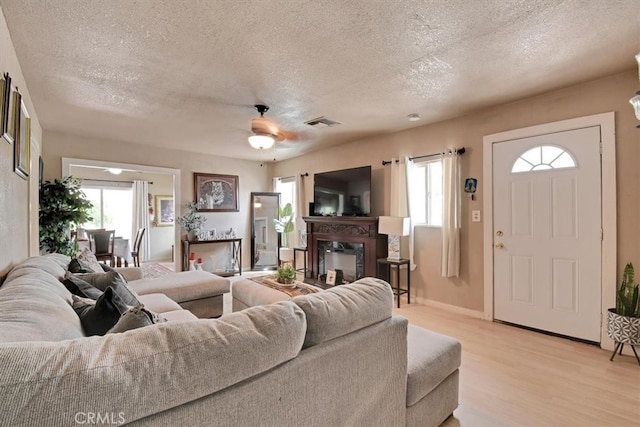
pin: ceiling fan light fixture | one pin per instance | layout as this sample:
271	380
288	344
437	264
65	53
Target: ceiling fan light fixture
114	171
261	142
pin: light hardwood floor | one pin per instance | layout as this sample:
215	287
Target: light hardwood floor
515	377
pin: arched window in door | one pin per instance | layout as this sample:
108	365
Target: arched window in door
543	157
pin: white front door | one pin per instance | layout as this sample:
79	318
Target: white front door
547	232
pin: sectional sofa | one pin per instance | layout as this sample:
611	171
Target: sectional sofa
338	357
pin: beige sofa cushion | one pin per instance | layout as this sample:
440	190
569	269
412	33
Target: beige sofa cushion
146	370
344	309
159	303
183	286
432	357
31	296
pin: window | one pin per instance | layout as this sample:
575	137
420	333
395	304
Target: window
543	157
287	189
425	191
112	206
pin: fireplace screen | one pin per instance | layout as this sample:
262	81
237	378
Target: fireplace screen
348	257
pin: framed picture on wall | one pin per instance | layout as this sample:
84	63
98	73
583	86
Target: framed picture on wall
165	211
5	94
216	193
22	142
11	99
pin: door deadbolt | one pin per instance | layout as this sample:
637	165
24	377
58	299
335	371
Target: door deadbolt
499	233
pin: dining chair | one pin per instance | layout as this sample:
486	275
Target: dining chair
101	243
135	253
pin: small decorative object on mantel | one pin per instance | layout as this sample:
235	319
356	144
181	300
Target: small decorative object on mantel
623	322
191	221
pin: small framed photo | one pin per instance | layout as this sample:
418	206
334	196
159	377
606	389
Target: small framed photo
331	277
216	193
165	211
22	141
12	100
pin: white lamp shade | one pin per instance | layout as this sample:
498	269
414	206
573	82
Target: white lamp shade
635	101
261	142
394	225
286	254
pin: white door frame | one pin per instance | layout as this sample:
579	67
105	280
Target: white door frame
67	162
606	121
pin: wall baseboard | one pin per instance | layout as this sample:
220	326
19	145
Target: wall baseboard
451	308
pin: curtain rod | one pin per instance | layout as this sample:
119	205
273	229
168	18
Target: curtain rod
304	174
109	180
460	150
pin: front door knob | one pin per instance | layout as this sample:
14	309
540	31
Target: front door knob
499	245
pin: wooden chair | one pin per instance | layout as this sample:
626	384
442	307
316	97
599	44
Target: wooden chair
135	253
101	243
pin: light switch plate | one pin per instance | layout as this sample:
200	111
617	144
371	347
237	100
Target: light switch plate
475	216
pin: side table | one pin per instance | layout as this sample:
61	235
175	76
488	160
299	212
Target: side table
302	270
397	291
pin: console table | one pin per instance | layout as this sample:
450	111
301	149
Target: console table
236	253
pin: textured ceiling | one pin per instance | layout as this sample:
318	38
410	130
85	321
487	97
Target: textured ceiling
185	74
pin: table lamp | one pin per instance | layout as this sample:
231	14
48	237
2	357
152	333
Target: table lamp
394	227
286	256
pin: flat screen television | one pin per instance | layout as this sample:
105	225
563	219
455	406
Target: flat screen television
344	192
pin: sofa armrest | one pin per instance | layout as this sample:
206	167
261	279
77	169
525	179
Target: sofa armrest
147	370
130	273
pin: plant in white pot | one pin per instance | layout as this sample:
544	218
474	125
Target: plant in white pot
191	221
623	322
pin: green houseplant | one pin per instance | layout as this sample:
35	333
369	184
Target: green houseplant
62	204
286	274
191	221
284	223
623	322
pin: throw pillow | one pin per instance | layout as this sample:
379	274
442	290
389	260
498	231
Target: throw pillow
88	260
97	317
76	266
113	279
79	287
134	318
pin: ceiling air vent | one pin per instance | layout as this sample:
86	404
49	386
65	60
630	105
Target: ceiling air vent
322	122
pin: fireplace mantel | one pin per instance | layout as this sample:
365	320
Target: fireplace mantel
349	229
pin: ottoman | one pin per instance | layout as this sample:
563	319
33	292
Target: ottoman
247	293
198	291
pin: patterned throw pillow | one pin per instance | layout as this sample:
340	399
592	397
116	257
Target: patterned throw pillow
81	288
87	259
134	318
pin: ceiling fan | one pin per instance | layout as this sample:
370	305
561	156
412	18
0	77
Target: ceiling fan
266	132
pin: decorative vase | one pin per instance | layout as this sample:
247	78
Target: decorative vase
199	266
192	264
192	236
284	281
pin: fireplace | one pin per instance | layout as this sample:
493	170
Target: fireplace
350	244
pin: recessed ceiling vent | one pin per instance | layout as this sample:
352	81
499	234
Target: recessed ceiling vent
322	122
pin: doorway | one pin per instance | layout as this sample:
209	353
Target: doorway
171	242
549	227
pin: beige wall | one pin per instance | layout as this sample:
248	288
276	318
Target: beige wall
252	176
606	94
18	197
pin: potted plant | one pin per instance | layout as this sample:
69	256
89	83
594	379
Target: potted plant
62	204
286	274
623	322
284	223
191	221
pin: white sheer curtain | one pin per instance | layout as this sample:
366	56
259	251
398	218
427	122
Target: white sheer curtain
451	218
141	217
299	209
399	198
409	166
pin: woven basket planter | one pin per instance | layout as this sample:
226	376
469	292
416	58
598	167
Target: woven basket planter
623	329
